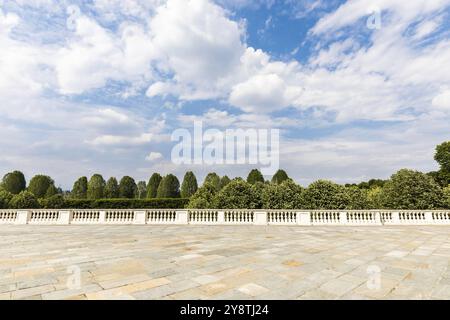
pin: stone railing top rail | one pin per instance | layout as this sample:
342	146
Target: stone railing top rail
225	217
236	210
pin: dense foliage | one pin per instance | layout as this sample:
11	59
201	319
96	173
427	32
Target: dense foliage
169	187
238	194
203	198
189	185
24	200
14	182
127	188
279	176
39	185
111	189
79	190
255	176
406	189
96	187
153	184
126	203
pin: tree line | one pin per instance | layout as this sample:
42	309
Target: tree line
406	189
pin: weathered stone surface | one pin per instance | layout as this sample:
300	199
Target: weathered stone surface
224	262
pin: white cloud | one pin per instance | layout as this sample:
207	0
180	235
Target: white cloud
115	140
261	93
198	43
442	100
95	55
152	156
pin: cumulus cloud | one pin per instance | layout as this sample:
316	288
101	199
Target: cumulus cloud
55	90
442	100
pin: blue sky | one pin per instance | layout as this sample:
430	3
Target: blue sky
100	85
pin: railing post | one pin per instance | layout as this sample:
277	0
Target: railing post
102	217
378	218
260	218
23	216
429	217
395	217
182	217
64	217
221	217
304	218
343	217
140	217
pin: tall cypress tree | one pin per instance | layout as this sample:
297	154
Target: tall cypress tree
96	187
279	177
127	187
213	179
255	176
169	187
189	185
153	184
112	189
79	190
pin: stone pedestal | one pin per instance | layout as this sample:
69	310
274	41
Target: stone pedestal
182	217
65	217
23	216
343	217
260	218
304	218
221	217
139	217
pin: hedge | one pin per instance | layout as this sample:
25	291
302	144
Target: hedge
177	203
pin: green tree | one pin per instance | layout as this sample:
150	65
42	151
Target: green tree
374	198
51	191
14	182
39	185
258	190
5	198
213	179
280	176
447	197
255	176
111	189
223	182
189	185
323	194
286	195
169	187
153	184
409	189
141	190
79	190
442	156
238	194
127	188
357	198
54	202
24	200
96	187
203	198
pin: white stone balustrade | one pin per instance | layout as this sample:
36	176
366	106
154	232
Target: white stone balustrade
223	217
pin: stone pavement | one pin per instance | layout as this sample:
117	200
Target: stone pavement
224	262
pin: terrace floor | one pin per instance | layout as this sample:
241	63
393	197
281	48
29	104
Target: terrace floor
224	262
